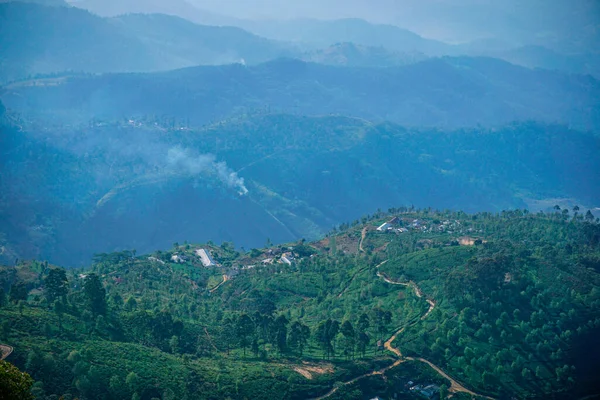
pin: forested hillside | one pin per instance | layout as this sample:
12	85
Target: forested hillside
446	92
69	192
499	305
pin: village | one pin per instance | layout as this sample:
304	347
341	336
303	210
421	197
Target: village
228	263
403	225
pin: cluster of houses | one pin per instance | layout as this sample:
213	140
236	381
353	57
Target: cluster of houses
402	225
204	255
274	256
279	256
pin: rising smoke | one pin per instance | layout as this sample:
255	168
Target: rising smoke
183	159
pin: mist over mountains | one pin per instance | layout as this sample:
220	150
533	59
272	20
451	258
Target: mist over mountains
287	177
116	73
283	199
447	92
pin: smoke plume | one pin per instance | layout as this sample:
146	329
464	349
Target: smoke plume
184	160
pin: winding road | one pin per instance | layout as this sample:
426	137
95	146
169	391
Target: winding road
455	387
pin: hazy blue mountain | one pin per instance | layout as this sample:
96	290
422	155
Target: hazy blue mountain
191	44
541	57
438	92
352	55
319	33
40	40
67	193
179	8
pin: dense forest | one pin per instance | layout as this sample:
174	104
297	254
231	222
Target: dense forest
403	303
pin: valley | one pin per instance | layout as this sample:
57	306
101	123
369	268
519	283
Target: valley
291	200
303	175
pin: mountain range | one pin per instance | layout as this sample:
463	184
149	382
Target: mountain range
37	39
135	36
445	92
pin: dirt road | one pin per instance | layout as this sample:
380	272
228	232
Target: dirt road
455	387
363	235
225	279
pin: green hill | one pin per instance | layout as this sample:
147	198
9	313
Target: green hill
512	312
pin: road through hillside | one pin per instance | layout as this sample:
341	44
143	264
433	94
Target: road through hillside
225	279
455	386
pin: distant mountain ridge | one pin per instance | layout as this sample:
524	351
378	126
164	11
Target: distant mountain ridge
36	39
446	92
178	8
352	55
319	34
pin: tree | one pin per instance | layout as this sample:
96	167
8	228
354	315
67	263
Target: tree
589	216
347	330
363	342
443	392
55	284
243	329
280	325
364	322
174	344
18	292
16	385
382	320
117	388
95	294
134	382
325	334
299	335
131	303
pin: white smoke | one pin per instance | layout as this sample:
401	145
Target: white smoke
184	160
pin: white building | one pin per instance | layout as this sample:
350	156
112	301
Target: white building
205	257
385	227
